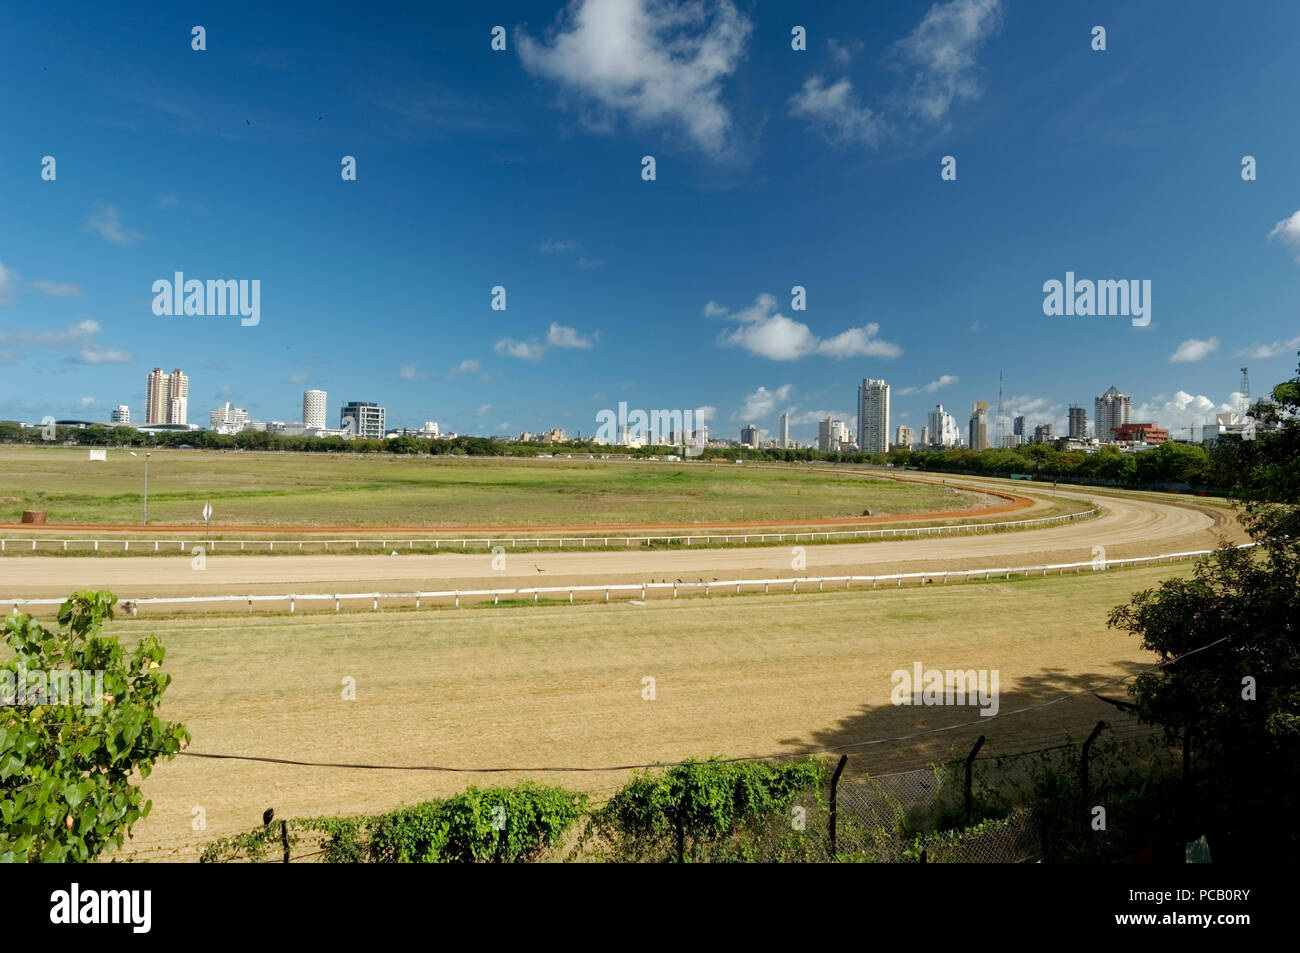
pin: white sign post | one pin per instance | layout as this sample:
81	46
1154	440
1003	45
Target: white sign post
207	517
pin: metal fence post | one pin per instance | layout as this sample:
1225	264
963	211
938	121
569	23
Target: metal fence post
970	759
1083	767
834	805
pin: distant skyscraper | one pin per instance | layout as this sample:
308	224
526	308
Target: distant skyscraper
313	409
785	430
830	434
873	416
943	428
367	419
1018	426
925	436
1110	410
1078	423
979	425
904	437
749	436
166	397
1043	433
121	414
227	419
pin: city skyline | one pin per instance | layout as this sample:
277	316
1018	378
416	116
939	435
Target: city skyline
520	174
1112	409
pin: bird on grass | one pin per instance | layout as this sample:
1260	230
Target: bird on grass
267	816
538	568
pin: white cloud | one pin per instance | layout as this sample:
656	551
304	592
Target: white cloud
71	336
940	53
659	62
590	262
836	111
943	381
296	379
554	246
762	402
106	221
1288	232
94	354
85	403
560	336
715	310
1179	412
57	289
524	350
8	284
1193	349
859	342
467	366
483	411
410	372
1276	349
767	333
843	52
937	59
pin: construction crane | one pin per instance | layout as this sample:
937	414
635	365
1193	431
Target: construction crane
1245	391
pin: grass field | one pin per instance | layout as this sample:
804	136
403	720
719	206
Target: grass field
317	489
562	686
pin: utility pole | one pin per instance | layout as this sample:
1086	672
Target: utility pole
146	484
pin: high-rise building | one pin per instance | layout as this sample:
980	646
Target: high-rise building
121	414
1018	426
314	409
749	436
1110	410
367	419
227	419
1078	423
785	430
831	433
904	437
1043	433
979	425
943	428
873	416
925	437
166	397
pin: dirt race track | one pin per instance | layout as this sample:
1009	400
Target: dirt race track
1130	526
549	686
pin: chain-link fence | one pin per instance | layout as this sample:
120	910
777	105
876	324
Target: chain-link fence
1099	799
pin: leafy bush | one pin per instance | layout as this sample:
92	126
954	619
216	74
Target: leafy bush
706	809
501	825
66	769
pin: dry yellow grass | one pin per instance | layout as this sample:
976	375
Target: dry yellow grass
561	686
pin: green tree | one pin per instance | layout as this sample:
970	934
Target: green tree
1236	704
66	769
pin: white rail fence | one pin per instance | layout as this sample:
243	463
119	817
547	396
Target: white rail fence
558	542
706	587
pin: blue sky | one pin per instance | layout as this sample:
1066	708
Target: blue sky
775	168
